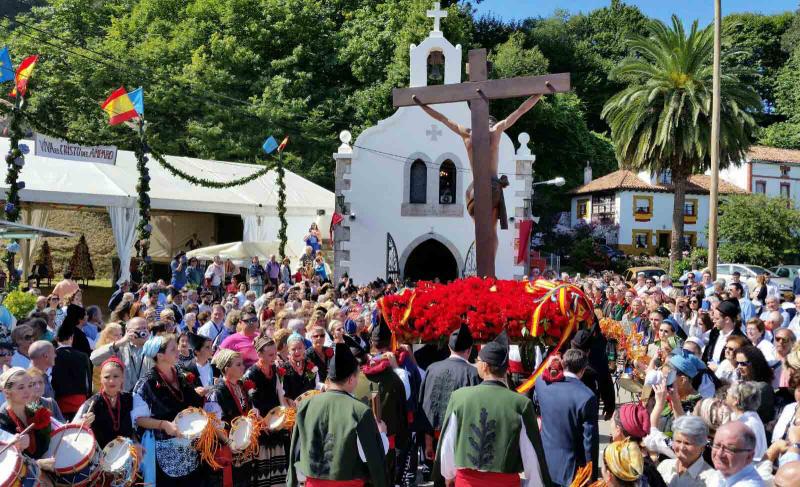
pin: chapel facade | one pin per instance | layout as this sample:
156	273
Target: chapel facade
400	187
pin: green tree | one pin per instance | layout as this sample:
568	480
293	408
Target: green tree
662	120
758	230
786	134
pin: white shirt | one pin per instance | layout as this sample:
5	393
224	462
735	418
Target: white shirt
753	421
530	462
767	348
794	325
216	272
210	330
206	374
699	474
784	422
720	346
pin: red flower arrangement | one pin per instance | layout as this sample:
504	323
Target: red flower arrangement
249	385
281	371
310	366
329	352
432	311
41	419
190	378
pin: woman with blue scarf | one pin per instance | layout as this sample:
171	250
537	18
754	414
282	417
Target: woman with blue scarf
166	391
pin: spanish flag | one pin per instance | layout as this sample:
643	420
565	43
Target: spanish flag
119	107
284	142
23	73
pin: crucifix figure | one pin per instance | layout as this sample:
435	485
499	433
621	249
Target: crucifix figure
482	140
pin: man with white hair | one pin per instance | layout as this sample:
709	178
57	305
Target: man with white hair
689	438
666	286
43	357
771	303
298	326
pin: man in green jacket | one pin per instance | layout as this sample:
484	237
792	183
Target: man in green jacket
335	440
490	434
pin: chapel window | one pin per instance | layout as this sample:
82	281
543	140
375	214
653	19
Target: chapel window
418	182
447	183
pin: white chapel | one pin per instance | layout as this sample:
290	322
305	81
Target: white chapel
400	186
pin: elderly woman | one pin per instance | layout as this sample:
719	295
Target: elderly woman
22	336
755	333
299	373
623	464
689	439
167	318
246	333
743	398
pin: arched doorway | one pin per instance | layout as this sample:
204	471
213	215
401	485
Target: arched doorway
429	260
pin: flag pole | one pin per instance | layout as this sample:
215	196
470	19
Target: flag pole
715	115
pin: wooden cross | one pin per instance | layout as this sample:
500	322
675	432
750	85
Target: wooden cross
478	91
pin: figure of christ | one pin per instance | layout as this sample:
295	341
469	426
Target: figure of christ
496	130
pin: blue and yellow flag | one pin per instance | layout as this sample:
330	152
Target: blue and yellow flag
6	68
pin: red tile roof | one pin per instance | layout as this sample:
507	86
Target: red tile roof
625	180
773	154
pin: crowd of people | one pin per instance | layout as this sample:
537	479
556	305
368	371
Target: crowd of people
713	400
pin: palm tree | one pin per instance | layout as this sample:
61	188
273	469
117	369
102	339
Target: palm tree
662	120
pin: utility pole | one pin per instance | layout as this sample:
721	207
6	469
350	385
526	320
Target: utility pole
715	108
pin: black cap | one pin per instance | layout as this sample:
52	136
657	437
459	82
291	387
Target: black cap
461	339
343	363
663	311
196	342
582	339
729	308
381	334
496	353
355	347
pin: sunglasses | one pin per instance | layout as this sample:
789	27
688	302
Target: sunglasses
730	349
250	320
743	364
694	301
783	339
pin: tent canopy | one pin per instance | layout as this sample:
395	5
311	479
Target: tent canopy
58	181
241	252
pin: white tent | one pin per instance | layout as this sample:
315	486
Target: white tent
241	252
57	181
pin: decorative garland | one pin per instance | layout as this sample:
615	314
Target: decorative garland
143	190
207	183
15	159
282	238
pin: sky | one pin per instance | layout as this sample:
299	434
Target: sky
687	10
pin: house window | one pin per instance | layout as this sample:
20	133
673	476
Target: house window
761	187
689	240
784	171
690	211
665	177
419	182
785	193
447	183
641	239
583	209
642	208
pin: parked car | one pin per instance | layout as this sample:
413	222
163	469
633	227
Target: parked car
786	271
748	275
649	271
611	252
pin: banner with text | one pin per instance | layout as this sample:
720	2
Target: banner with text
61	149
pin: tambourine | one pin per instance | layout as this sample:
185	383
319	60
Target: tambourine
191	423
302	397
280	418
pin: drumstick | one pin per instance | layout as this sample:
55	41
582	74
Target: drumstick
15	440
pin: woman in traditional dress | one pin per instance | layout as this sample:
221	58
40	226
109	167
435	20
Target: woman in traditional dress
18	415
270	466
166	392
299	373
37	382
115	411
228	401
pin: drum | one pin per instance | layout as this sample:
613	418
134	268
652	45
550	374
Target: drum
73	447
191	423
88	475
120	462
241	434
302	397
280	418
16	470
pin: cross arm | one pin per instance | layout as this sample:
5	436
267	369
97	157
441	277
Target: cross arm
491	89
